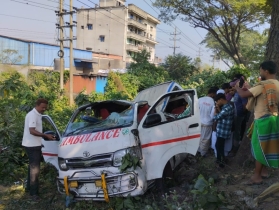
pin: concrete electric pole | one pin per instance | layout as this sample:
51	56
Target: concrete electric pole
70	25
61	51
174	41
71	55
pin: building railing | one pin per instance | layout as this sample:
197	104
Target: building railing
134	35
132	47
136	23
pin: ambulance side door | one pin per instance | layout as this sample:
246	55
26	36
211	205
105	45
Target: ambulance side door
170	127
50	147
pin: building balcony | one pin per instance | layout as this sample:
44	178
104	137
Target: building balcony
133	8
135	36
136	24
133	48
152	40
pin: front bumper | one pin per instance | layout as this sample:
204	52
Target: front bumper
88	185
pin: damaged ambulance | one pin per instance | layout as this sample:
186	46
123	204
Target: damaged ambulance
159	128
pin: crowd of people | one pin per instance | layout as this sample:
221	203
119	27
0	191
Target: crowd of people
225	112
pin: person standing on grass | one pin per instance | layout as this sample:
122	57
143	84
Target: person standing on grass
32	142
224	115
240	116
206	105
264	99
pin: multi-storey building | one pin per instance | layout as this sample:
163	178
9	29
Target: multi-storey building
113	28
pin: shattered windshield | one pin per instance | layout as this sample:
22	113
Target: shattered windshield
101	116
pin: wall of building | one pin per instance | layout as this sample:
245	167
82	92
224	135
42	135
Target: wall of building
88	83
101	82
41	55
107	22
20	46
107	61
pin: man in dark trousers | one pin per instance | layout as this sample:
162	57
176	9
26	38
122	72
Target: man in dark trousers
32	142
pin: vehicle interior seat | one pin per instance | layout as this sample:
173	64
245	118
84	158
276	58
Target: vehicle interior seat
178	110
141	111
104	113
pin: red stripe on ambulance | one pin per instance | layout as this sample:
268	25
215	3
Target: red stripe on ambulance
49	154
185	138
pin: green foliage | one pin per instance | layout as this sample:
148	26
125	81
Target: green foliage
129	161
206	195
147	74
205	80
115	88
17	98
125	203
179	67
240	69
251	46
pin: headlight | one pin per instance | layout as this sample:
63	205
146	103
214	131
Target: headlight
118	155
62	164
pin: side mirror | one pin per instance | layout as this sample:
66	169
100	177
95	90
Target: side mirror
152	119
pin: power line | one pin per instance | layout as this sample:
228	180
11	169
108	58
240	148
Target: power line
11	29
32	5
101	13
40	3
26	18
184	35
187	45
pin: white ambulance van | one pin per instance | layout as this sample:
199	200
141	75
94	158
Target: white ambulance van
159	127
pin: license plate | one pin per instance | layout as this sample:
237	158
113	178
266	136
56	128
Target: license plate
98	183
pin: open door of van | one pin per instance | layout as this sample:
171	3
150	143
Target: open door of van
50	147
170	127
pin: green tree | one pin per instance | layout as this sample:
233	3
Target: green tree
251	46
224	20
147	74
179	67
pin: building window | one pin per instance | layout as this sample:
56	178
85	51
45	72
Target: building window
102	38
82	27
90	26
151	28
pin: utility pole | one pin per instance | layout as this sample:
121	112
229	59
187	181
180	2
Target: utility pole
199	53
61	52
71	55
174	41
70	25
198	59
213	59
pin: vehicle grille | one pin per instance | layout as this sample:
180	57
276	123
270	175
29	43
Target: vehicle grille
94	161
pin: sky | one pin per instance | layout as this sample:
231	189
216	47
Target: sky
36	21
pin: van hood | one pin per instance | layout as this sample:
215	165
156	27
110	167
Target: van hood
102	142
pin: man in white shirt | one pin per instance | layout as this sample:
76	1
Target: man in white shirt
206	105
32	142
